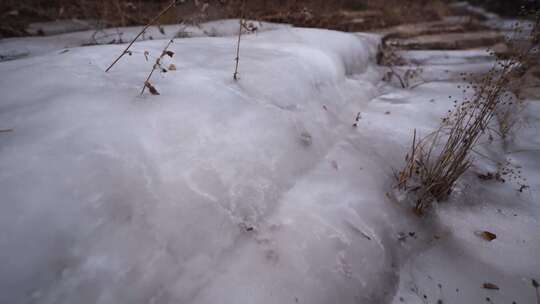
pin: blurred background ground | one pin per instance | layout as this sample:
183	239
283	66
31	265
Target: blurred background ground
18	17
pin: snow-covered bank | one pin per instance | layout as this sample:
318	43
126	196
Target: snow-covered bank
214	190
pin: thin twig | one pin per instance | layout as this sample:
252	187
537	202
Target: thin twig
165	10
241	25
6	130
156	65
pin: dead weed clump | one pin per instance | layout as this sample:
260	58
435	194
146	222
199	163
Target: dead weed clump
408	75
436	162
523	44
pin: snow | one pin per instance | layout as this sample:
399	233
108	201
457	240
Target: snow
255	191
60	27
476	10
14	48
185	173
444	57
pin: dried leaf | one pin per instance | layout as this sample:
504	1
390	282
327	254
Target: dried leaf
172	67
490	286
6	130
146	54
169	53
535	283
488	236
161	30
151	88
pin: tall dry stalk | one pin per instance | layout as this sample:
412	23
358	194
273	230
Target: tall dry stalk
241	27
152	22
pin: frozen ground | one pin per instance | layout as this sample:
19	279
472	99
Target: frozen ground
256	191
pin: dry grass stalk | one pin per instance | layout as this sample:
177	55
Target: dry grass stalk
431	172
241	26
157	65
409	79
389	57
508	116
153	21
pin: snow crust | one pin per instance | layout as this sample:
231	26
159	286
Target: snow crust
213	190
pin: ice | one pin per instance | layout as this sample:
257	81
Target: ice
179	197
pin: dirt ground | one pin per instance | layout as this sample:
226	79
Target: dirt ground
345	15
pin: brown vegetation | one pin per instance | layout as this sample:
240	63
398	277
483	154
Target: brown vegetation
436	162
345	15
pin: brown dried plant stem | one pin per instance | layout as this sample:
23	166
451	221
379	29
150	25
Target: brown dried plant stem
241	25
153	21
156	65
